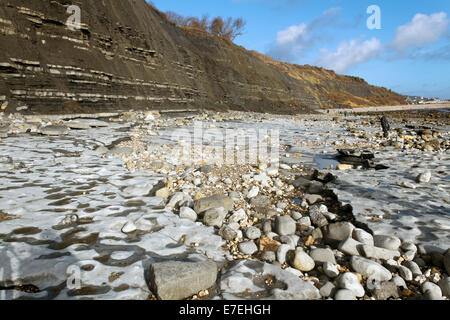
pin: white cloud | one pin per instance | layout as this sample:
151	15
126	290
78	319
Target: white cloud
421	31
292	35
349	54
295	40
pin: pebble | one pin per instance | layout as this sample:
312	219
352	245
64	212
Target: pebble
384	290
129	227
321	256
399	282
344	294
407	184
315	187
413	267
267	226
282	253
432	287
351	282
300	260
409	255
437	259
408	246
420	262
447	261
431	291
301	182
327	290
248	247
176	280
271	235
312	198
337	232
214	201
350	246
344	167
330	216
188	213
296	215
238	216
285	225
214	217
317	218
228	233
305	222
432	295
206	169
387	242
253	233
290	240
424	177
253	192
363	236
405	273
68	220
370	269
330	270
269	256
444	284
163	193
378	253
260	201
176	199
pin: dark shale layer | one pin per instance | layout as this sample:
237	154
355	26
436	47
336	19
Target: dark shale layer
128	56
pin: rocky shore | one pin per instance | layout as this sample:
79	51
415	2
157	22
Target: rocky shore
332	217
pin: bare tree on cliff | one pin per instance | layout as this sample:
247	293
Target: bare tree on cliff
228	28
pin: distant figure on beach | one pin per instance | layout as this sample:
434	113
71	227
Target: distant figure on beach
385	125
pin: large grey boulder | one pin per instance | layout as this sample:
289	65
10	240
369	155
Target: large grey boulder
175	280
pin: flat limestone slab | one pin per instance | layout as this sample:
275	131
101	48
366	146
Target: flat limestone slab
175	280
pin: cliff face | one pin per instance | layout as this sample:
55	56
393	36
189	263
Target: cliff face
127	56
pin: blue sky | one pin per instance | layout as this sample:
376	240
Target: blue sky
410	54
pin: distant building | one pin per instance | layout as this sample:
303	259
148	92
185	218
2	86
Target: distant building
421	100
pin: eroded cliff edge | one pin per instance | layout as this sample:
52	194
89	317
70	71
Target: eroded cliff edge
127	56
